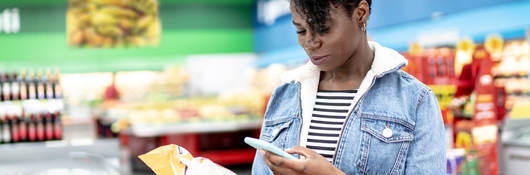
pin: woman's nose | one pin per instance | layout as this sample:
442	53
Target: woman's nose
313	43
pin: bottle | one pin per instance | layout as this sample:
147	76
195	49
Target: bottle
56	85
49	128
13	123
6	87
32	125
22	125
40	123
40	86
6	131
1	125
1	89
32	88
15	87
48	84
57	122
23	85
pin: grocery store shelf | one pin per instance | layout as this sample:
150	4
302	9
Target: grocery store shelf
511	76
153	130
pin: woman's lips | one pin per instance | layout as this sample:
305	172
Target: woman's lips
318	60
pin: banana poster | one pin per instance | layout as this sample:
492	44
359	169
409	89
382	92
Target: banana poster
113	23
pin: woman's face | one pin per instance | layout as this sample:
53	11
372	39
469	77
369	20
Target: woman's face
333	48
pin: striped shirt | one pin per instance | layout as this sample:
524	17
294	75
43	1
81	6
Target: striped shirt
329	114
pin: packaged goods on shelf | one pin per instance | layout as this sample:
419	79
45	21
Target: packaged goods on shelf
30	107
512	72
493	87
435	67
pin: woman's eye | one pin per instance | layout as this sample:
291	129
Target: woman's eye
324	30
300	32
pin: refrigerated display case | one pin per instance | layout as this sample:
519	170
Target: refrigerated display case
64	157
516	146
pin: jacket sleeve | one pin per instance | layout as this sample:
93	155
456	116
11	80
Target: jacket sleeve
259	167
427	152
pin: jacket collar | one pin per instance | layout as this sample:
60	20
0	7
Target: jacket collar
386	60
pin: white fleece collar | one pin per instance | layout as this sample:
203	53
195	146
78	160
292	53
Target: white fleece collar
385	61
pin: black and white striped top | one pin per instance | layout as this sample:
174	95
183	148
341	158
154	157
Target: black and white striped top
329	115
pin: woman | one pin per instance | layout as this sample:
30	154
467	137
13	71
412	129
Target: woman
350	110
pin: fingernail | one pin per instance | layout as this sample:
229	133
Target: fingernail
262	152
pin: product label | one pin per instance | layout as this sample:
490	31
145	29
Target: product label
58	91
7	133
23	91
40	91
49	91
485	134
32	92
6	89
14	89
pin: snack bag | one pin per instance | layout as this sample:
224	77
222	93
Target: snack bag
175	160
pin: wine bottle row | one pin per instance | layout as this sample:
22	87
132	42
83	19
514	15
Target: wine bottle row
30	121
28	86
30	107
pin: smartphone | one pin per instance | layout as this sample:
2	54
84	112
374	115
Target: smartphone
261	144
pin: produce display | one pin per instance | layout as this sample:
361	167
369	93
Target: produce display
113	23
242	106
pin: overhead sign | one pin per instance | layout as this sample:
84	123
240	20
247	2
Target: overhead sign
10	21
269	11
110	24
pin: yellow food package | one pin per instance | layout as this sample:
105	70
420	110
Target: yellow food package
175	160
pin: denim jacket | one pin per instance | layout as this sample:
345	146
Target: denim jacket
387	98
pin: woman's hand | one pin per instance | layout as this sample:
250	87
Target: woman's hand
310	163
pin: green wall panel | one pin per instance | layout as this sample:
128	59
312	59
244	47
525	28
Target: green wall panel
51	49
189	27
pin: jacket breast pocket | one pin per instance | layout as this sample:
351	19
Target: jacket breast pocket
384	144
275	131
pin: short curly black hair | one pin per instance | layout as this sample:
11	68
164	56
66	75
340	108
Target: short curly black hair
317	11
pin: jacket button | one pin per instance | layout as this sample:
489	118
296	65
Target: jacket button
387	132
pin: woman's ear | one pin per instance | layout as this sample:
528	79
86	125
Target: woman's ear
362	12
